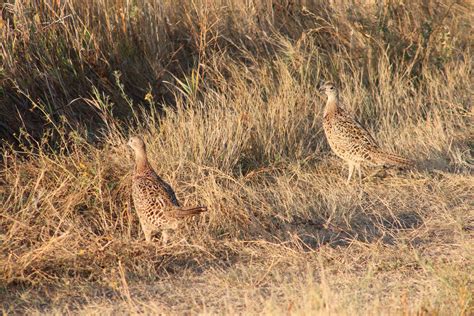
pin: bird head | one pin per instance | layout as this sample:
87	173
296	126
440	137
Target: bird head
329	89
137	144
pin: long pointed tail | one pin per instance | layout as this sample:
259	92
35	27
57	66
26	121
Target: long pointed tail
180	213
383	158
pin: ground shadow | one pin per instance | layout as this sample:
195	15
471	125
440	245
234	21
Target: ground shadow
311	234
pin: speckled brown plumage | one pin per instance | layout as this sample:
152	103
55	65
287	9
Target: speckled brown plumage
155	201
350	140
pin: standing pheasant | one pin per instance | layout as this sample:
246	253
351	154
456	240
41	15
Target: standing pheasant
350	140
155	201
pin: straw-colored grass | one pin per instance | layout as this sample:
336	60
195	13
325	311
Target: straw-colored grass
225	95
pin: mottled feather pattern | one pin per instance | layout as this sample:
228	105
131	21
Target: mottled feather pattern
347	138
350	140
153	197
381	157
149	180
155	201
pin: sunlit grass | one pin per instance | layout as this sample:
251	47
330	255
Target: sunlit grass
225	96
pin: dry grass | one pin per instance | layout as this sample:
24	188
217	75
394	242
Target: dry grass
225	97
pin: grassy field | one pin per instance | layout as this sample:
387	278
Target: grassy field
225	95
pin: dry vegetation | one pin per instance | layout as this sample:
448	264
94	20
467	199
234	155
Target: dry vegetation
224	93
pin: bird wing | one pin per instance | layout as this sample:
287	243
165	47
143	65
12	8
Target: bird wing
157	189
168	191
354	130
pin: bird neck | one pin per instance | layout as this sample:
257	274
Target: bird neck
141	161
331	104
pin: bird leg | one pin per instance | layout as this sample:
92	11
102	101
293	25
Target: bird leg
351	171
359	171
165	236
147	233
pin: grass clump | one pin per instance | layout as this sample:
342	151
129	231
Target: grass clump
224	94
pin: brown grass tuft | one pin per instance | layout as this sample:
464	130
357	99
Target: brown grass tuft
224	94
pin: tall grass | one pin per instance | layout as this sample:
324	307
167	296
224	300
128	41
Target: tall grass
224	94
